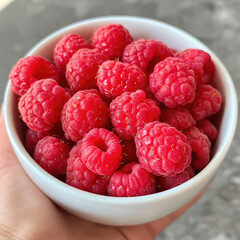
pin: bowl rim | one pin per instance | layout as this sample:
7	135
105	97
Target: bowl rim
171	193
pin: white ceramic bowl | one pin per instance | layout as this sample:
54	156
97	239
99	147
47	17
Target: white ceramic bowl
135	210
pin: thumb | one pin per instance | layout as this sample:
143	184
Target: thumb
8	160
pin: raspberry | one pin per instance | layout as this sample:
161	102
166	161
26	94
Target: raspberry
84	111
165	183
32	138
51	154
162	149
131	111
101	151
131	180
200	145
111	40
41	106
66	47
207	102
146	53
208	128
172	82
82	68
114	78
178	117
29	70
79	176
128	151
201	62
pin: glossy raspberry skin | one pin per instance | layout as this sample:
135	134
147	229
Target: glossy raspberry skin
208	128
200	145
129	113
165	183
101	151
84	111
79	176
41	106
111	40
162	149
207	102
172	82
114	78
131	180
128	151
29	70
82	68
66	47
201	62
51	154
146	53
32	138
178	117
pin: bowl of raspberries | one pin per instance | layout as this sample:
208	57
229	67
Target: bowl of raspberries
120	120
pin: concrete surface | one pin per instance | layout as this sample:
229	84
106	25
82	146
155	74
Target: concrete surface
215	22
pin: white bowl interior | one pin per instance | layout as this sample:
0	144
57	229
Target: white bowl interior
103	209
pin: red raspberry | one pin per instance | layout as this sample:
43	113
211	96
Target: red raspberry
200	145
131	111
178	117
66	47
84	111
32	138
30	69
101	151
162	149
128	151
146	53
165	183
79	176
208	128
207	102
111	40
51	154
41	106
131	180
201	62
82	68
172	82
114	78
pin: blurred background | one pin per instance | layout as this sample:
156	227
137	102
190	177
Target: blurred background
23	23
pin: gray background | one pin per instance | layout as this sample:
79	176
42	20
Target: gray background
215	22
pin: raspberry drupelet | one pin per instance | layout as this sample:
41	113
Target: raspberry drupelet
162	149
84	111
165	183
79	176
201	147
101	151
208	128
66	47
29	70
51	154
201	62
82	68
130	111
42	104
178	117
172	82
207	102
114	78
131	180
111	40
146	53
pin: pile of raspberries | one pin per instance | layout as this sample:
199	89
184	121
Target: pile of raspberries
117	116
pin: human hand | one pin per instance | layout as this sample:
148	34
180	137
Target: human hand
27	214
